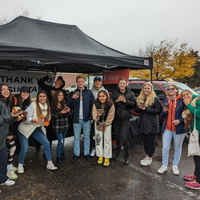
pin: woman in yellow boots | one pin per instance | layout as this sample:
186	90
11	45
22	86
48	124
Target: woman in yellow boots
103	114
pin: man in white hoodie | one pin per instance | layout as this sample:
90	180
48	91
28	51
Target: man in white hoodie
95	90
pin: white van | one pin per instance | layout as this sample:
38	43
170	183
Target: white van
71	88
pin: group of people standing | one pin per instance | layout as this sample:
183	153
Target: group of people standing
97	115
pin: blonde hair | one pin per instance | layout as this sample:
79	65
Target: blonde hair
150	98
175	87
186	91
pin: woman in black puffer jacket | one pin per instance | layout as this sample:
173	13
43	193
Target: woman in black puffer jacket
149	107
124	101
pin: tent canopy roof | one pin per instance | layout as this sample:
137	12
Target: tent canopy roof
32	45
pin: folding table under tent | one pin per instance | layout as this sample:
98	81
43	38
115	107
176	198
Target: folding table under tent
35	45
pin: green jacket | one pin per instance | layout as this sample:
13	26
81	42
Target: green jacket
192	110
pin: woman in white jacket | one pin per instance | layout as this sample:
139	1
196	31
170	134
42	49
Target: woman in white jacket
33	126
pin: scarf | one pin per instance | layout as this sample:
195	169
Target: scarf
43	108
187	115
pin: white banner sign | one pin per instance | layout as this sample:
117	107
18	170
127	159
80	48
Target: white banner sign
16	79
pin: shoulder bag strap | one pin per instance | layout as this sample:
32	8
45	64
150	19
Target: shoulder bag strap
195	119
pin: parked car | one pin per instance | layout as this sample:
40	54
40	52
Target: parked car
197	90
71	88
160	88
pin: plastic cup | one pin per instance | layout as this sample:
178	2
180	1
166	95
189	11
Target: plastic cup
166	105
77	93
100	111
142	104
25	113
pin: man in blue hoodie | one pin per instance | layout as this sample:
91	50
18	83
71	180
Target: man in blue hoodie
81	102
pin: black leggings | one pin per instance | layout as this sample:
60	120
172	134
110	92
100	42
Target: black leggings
121	128
149	143
197	167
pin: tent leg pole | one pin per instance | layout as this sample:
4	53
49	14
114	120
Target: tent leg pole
151	75
88	81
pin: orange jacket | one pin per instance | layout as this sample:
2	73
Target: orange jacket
171	113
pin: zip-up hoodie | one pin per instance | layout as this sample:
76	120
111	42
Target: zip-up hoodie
174	113
192	110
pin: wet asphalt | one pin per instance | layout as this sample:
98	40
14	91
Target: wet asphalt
88	180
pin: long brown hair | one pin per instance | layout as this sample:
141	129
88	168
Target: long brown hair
189	117
27	102
39	112
9	99
54	102
108	100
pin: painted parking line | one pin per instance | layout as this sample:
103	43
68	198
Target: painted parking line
166	182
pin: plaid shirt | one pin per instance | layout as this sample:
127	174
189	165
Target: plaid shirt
60	122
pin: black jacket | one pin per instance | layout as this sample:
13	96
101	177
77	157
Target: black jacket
13	126
149	120
5	119
124	110
106	110
48	88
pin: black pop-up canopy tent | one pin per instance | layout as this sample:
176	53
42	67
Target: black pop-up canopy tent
35	45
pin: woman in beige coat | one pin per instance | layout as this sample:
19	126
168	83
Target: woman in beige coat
103	114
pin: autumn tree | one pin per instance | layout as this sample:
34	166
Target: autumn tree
168	61
25	12
192	81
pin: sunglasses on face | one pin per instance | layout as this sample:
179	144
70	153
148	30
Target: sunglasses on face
168	89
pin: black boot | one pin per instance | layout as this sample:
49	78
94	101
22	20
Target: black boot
59	161
126	161
75	159
117	156
63	157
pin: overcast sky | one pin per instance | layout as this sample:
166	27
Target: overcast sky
125	25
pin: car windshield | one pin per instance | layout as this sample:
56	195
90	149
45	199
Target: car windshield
181	87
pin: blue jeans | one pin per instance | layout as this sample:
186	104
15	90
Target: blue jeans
60	137
39	136
77	133
178	141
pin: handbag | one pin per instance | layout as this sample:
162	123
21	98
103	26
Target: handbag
193	145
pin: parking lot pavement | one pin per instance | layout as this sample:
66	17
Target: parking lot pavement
85	180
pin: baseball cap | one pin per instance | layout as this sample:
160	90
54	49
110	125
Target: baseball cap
24	89
63	82
97	78
61	78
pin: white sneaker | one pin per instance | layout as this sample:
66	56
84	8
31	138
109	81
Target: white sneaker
175	169
82	137
146	162
141	161
162	169
51	166
20	168
93	153
8	182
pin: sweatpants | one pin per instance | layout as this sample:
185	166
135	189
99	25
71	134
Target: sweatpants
3	165
104	149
